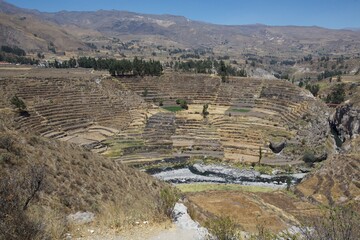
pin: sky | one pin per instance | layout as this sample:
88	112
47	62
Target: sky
325	13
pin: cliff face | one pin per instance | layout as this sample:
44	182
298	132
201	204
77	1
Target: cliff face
346	121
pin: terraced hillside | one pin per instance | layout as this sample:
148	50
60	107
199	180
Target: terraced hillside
79	107
336	182
244	115
123	118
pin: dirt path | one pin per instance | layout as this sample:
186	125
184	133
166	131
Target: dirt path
184	228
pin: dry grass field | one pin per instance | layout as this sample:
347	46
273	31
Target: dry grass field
250	208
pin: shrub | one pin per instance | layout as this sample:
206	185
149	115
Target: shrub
16	193
337	223
145	92
205	110
182	103
309	157
7	142
337	95
223	228
18	103
168	198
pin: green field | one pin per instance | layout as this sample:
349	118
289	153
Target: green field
173	108
202	187
243	110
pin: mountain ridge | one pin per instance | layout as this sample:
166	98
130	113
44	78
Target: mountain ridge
260	39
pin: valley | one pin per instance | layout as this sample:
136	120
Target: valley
111	121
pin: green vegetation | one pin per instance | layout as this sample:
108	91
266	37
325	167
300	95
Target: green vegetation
18	103
203	187
223	71
260	155
207	66
173	108
71	63
145	92
182	103
14	50
242	110
168	198
309	157
327	74
314	89
337	95
137	67
15	55
223	228
205	110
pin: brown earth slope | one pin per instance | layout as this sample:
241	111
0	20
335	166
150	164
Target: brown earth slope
75	179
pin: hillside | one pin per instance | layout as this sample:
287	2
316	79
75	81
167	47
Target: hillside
115	116
70	180
119	28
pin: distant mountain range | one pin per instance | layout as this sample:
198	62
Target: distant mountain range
69	31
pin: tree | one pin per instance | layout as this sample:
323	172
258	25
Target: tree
223	71
338	79
145	92
184	105
314	89
205	110
260	155
337	95
18	103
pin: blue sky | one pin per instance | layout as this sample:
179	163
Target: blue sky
325	13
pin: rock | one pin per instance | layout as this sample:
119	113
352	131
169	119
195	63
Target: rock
68	236
346	121
277	147
224	171
81	217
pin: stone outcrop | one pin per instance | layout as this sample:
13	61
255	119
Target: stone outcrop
277	147
346	121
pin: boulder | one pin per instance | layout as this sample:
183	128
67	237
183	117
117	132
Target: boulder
277	147
81	217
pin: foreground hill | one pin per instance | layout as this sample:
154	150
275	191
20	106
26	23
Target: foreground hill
116	28
49	180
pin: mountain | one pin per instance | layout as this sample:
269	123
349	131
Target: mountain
78	27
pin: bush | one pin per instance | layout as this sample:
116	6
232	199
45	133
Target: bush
16	193
309	157
168	198
337	95
18	103
223	228
205	110
337	223
182	103
6	142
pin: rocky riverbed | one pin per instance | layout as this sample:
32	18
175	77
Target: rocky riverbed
224	174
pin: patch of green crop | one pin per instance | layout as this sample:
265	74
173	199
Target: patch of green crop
173	108
242	110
